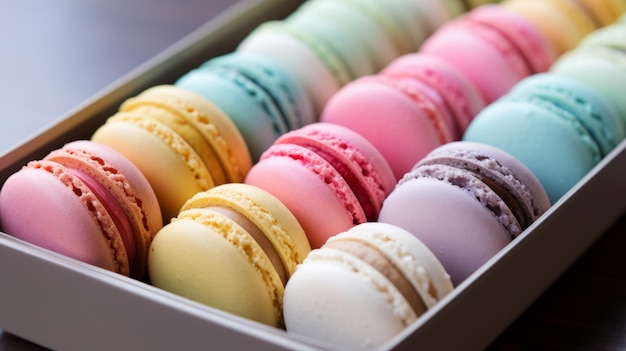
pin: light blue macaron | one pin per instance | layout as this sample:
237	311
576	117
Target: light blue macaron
261	98
558	127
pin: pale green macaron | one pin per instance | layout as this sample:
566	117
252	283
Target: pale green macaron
310	60
599	62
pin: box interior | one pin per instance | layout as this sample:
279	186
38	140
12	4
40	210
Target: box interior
61	303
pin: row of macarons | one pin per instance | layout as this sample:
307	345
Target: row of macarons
264	89
284	71
263	92
173	141
519	155
207	129
549	130
197	124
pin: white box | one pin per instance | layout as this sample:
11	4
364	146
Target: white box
61	303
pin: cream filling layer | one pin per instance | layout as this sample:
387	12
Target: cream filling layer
386	267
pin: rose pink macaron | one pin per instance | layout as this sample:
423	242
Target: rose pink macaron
457	92
466	201
85	201
330	178
494	47
414	105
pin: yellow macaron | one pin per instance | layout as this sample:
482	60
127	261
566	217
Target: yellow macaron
180	141
563	22
232	247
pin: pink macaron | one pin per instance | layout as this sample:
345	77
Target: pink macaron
494	47
460	95
413	106
466	201
330	178
85	201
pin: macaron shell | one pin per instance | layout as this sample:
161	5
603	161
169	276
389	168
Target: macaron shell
373	264
431	102
602	69
461	96
333	318
460	232
63	223
553	145
500	167
319	209
179	263
486	57
323	76
266	212
413	22
604	12
140	140
330	32
187	133
409	255
126	183
561	22
289	94
608	11
389	119
437	12
258	128
217	128
611	36
535	48
329	168
384	15
355	153
594	112
360	26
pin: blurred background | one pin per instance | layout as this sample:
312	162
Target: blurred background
55	54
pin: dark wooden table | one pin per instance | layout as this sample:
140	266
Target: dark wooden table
57	53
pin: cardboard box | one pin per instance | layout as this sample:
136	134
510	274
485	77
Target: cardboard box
61	303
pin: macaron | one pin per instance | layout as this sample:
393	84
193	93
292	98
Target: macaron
295	48
363	287
331	31
462	98
603	13
563	22
558	127
410	108
466	201
493	46
326	44
330	178
256	93
389	18
436	12
599	62
232	247
361	28
85	201
180	141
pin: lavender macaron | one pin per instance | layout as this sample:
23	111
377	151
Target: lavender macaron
466	201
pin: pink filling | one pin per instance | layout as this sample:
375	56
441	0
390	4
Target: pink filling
114	209
352	180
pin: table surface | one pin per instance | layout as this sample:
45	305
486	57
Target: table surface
66	50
